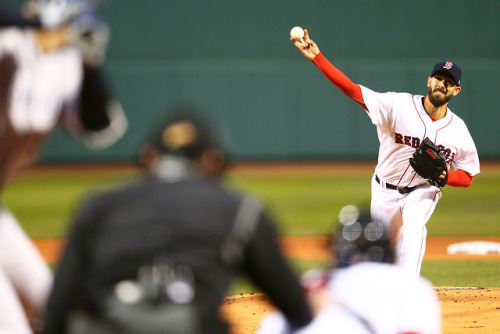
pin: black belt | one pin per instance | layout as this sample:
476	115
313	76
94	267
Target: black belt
401	190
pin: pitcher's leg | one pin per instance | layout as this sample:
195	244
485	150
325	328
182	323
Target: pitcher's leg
416	211
411	246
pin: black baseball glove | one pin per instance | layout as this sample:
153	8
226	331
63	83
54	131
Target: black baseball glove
429	162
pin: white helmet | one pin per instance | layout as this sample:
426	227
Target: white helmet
54	13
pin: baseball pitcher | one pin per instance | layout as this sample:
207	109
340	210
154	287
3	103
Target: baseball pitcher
408	178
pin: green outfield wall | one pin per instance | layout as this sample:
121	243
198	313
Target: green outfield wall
234	59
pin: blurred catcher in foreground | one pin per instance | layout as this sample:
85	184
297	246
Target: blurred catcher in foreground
159	255
47	78
365	292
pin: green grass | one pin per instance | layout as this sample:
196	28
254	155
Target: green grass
306	205
44	204
462	273
471	211
303	205
485	273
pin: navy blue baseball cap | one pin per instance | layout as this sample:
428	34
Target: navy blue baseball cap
450	67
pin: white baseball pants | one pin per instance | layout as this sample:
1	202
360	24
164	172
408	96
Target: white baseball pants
25	278
413	211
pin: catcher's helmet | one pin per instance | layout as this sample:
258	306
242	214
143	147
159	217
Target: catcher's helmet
359	238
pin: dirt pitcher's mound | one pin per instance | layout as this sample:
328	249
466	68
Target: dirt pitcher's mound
470	310
465	310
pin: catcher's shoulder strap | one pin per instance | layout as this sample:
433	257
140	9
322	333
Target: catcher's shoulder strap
244	225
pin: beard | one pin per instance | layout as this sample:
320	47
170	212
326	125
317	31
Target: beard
438	100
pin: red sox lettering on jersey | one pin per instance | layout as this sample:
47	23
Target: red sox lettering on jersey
415	143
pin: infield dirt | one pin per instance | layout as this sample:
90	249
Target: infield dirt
464	311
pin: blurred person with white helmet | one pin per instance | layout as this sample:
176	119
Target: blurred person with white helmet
47	79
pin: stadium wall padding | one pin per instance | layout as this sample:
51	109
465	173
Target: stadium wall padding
234	59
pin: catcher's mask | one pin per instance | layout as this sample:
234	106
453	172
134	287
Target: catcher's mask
359	238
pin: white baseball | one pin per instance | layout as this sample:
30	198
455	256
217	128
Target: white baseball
297	33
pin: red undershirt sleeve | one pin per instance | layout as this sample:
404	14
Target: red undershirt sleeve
339	79
459	178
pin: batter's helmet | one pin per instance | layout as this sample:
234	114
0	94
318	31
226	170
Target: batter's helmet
88	32
54	13
359	238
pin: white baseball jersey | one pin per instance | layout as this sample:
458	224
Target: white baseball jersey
371	297
36	88
402	124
